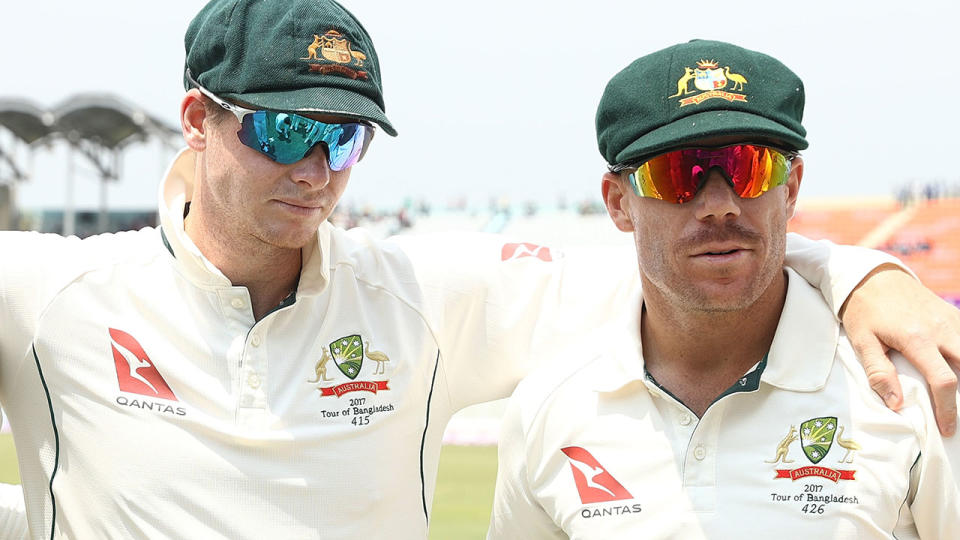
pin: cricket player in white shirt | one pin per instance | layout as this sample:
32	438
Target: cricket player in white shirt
729	401
248	370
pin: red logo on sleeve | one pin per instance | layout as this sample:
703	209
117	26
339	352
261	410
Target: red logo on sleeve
518	251
594	483
135	371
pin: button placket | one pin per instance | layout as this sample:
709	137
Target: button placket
701	459
254	374
700	452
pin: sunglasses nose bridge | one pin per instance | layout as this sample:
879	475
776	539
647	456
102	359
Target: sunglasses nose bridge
313	170
323	148
723	181
716	198
703	172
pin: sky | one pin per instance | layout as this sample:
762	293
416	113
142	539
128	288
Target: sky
496	99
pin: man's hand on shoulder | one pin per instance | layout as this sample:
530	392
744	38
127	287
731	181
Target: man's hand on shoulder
890	309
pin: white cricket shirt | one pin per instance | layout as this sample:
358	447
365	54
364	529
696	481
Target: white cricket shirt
146	402
799	448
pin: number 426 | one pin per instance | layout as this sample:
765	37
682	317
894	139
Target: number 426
813	508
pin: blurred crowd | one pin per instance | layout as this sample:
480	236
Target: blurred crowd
404	216
917	191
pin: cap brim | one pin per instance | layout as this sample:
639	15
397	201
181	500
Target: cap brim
326	100
711	124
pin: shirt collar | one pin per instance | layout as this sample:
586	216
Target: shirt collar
176	191
805	345
800	357
612	372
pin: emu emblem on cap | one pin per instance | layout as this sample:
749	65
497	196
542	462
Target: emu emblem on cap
711	80
333	46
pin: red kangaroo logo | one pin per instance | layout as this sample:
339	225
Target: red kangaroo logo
135	371
518	251
594	482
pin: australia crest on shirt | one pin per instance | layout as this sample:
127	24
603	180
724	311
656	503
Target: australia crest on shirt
817	437
348	354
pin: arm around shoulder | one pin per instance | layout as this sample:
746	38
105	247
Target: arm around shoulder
833	268
884	306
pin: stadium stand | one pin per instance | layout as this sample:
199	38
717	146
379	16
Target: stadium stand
842	221
924	233
929	242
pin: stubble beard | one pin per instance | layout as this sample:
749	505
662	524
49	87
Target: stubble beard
686	295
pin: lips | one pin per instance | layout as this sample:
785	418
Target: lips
718	249
300	204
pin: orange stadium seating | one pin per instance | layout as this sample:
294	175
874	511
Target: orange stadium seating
925	234
930	244
844	222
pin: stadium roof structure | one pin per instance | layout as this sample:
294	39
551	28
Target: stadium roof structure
28	123
99	125
107	120
25	120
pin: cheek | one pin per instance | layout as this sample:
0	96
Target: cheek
338	184
652	241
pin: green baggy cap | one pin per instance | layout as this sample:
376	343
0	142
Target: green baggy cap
287	55
695	90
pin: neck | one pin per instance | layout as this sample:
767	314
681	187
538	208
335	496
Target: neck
269	273
697	355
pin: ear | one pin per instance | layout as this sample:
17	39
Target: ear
192	115
614	190
793	185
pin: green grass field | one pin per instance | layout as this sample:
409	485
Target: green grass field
461	506
9	474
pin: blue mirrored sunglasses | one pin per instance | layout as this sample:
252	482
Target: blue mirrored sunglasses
287	137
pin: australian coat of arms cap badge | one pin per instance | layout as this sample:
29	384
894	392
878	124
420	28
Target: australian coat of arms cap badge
711	81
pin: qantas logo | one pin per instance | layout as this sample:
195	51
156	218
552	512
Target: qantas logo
519	251
594	482
135	371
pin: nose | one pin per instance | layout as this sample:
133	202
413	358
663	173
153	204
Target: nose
716	199
313	170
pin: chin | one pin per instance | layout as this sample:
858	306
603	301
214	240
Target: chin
717	298
290	239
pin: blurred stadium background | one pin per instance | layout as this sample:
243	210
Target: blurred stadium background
90	136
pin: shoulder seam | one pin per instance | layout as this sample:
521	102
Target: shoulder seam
542	403
423	318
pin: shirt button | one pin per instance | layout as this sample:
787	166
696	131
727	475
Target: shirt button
685	420
237	303
255	341
254	381
699	452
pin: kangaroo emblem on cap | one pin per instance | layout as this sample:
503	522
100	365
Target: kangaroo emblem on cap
683	85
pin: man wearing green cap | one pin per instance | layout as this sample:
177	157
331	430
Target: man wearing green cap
729	401
247	370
